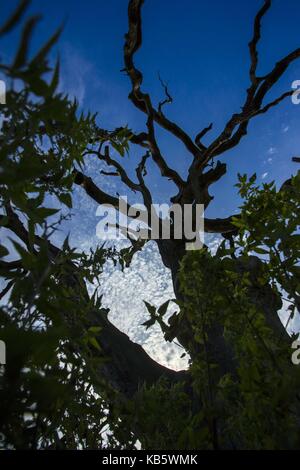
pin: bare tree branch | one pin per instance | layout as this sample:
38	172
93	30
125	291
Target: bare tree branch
109	173
168	98
256	37
97	194
237	126
141	172
219	225
200	135
132	44
94	192
120	170
165	170
6	289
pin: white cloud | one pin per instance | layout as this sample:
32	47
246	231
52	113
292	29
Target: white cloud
77	74
264	175
124	292
272	150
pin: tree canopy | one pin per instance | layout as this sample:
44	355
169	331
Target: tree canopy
72	379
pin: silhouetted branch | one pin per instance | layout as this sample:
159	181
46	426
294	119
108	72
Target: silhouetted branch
168	98
140	139
93	191
201	134
199	183
120	170
256	37
237	126
141	172
109	173
157	157
6	289
132	44
219	225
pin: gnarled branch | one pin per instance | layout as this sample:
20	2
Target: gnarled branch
132	44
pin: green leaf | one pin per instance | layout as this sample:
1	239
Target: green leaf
15	17
119	148
21	55
42	53
66	199
42	213
252	179
55	78
260	251
151	309
164	307
95	329
149	323
38	86
27	258
66	244
93	341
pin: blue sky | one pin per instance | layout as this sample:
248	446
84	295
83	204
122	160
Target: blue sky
200	48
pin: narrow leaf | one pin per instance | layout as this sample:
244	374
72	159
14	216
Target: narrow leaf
15	17
42	53
22	53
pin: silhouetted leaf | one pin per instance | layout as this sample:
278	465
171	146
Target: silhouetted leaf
15	17
22	53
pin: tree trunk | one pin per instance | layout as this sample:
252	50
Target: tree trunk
220	352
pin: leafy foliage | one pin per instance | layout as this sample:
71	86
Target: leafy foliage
48	391
256	404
